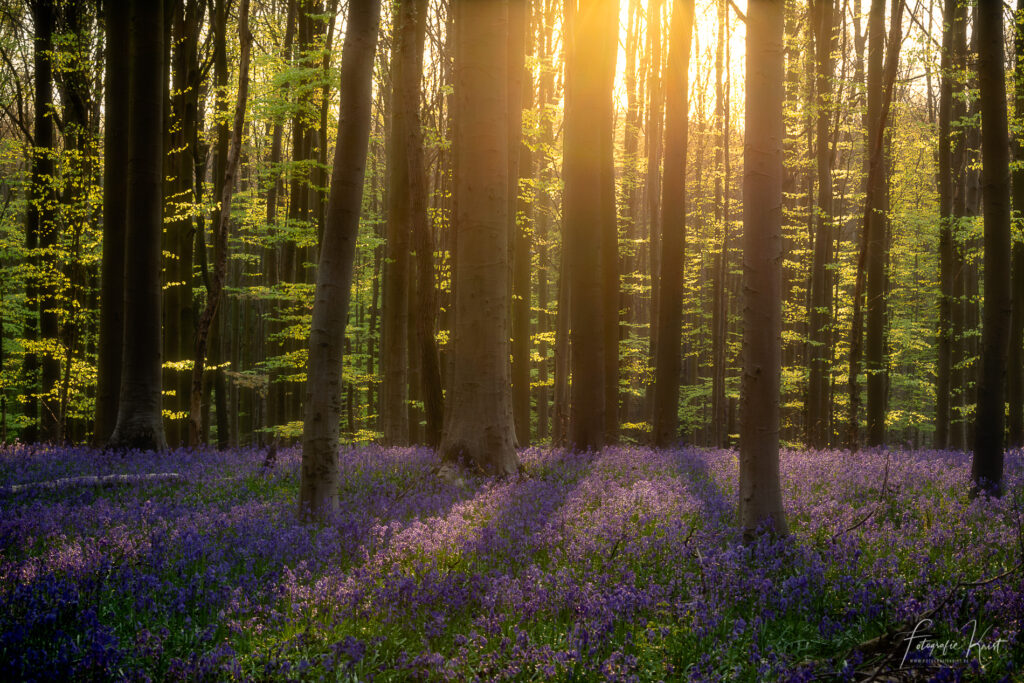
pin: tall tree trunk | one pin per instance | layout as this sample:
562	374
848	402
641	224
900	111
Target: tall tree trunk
220	249
820	360
318	490
987	465
947	264
720	312
479	431
39	215
655	122
520	94
586	96
115	167
609	225
394	414
673	228
1015	359
760	492
139	420
179	311
875	363
875	170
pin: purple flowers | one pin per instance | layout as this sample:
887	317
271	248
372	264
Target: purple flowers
622	565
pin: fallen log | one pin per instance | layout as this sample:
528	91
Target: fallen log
100	480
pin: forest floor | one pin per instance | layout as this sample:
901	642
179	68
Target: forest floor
620	565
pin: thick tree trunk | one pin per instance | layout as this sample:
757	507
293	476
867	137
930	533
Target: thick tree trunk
673	228
115	167
139	420
586	95
655	122
760	492
609	228
820	360
1015	360
394	413
987	465
479	431
318	490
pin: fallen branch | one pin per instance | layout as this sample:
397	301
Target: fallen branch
103	480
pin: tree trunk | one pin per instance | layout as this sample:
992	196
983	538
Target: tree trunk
318	490
1015	360
655	121
220	235
115	166
520	94
479	431
394	414
673	228
760	492
586	95
877	253
820	360
987	465
139	420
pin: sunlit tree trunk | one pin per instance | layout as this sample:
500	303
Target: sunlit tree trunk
820	359
520	94
479	431
318	489
139	420
759	489
673	228
987	465
587	93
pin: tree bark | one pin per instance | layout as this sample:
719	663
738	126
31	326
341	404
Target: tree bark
673	228
139	420
318	489
220	236
819	362
115	167
586	95
944	341
759	489
1015	359
479	431
987	465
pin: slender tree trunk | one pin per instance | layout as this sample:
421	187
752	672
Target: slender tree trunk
673	228
520	93
609	228
318	490
655	122
947	265
875	362
821	281
987	465
759	489
139	420
220	236
720	311
479	431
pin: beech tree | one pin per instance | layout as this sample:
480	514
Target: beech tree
318	489
479	432
139	419
760	491
987	465
673	228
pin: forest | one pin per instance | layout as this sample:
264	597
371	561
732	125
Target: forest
512	340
